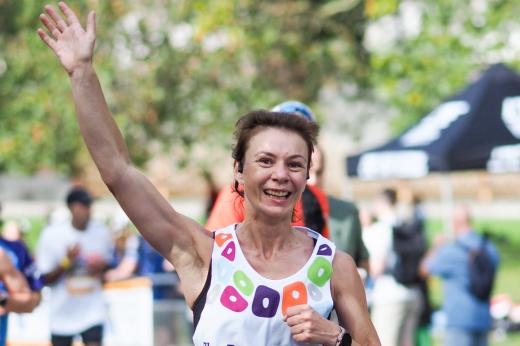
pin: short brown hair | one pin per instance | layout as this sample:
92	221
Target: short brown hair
249	123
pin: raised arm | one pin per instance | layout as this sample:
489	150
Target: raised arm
178	238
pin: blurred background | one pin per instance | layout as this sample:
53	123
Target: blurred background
177	75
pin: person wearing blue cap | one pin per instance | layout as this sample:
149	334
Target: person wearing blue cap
296	107
259	282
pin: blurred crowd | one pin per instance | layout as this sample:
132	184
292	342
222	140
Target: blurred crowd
75	255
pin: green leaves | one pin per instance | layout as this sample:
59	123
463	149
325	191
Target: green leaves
177	74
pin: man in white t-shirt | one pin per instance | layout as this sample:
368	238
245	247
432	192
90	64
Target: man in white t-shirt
72	256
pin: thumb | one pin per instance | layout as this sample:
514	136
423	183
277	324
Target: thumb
91	23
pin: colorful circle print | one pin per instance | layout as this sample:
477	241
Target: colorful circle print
294	294
232	300
243	283
229	251
221	238
266	301
320	271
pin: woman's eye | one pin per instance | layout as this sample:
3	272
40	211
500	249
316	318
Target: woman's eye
295	165
265	161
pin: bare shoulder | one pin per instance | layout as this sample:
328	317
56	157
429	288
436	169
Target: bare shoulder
343	263
344	273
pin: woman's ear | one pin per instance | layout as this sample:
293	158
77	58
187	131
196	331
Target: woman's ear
238	169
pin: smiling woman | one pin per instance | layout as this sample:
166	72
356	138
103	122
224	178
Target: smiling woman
261	282
272	155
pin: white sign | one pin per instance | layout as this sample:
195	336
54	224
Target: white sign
511	114
505	158
130	317
429	128
393	164
130	313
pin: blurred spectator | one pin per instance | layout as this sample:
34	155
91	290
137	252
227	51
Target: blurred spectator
212	192
468	317
423	333
395	307
133	255
20	282
15	230
344	222
72	257
125	256
15	294
153	265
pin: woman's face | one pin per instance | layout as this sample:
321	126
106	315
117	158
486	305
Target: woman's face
274	172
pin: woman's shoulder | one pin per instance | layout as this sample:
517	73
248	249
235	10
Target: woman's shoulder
343	264
343	258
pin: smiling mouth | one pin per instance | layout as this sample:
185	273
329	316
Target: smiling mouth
277	194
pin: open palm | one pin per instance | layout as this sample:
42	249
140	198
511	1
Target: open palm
73	45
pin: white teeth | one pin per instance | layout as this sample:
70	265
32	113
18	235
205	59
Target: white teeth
277	193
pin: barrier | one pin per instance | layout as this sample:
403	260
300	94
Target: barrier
134	318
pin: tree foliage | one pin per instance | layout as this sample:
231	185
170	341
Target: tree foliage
174	72
455	41
177	73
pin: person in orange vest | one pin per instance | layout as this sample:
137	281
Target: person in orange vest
312	210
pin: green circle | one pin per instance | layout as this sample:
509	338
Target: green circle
320	271
243	283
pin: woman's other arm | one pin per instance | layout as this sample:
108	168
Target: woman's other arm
350	301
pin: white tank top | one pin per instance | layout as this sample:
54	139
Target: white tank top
243	308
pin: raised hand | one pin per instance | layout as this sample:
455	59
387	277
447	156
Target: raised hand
73	45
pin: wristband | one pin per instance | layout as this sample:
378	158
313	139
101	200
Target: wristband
65	263
346	340
341	334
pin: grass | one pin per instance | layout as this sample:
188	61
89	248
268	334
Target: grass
31	238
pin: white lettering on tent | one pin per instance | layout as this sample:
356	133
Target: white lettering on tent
505	158
511	114
429	128
393	164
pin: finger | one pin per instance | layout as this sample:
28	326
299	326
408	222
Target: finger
296	309
70	16
91	23
295	320
45	38
49	24
298	329
60	23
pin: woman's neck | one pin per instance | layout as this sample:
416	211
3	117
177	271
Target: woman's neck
265	237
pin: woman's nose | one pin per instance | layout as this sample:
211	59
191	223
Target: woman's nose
280	172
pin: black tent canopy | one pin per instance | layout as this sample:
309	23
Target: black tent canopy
478	128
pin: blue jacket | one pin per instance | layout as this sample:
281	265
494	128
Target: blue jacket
450	263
